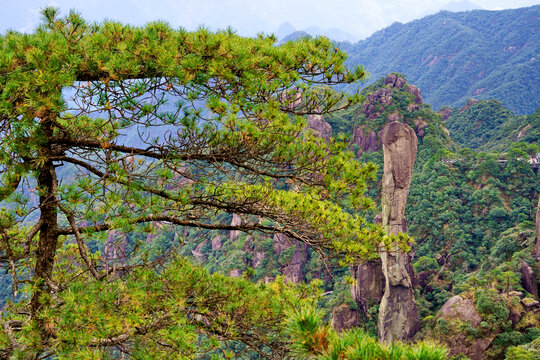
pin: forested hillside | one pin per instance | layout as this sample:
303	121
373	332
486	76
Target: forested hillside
202	195
452	57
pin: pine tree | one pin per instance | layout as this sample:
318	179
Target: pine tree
112	127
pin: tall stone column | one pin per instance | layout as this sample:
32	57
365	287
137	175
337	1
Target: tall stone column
537	240
398	316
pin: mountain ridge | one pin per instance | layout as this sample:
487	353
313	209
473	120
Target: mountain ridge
455	56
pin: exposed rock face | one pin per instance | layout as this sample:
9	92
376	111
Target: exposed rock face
394	81
197	252
236	220
293	271
216	243
344	318
527	279
398	316
369	284
445	113
115	250
461	308
523	132
464	310
319	125
416	92
469	103
258	257
365	142
537	240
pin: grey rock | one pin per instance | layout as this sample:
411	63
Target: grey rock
398	315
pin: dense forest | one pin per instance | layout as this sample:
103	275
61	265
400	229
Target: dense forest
456	56
201	195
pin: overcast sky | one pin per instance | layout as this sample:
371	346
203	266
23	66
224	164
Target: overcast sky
359	18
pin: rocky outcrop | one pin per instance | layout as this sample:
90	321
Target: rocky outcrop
468	105
366	141
320	126
527	279
114	254
217	243
368	286
462	309
398	315
537	240
344	318
292	270
445	113
395	81
413	90
197	252
236	221
523	132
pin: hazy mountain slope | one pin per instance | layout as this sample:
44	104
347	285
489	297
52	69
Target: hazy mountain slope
454	56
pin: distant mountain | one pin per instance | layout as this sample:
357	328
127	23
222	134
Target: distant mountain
288	31
452	57
457	6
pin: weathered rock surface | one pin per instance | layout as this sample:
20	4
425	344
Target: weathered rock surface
293	270
320	126
537	240
197	252
395	81
236	221
463	309
416	92
398	315
467	106
527	279
369	284
217	243
445	113
344	318
366	141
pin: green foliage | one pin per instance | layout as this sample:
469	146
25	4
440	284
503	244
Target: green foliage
135	139
487	125
312	340
452	57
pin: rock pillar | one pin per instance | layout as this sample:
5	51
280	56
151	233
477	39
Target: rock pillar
537	240
398	316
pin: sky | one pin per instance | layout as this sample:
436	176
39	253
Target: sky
359	18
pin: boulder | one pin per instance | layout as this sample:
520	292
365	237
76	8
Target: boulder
462	309
344	318
394	81
416	92
527	279
317	123
366	141
368	286
398	315
529	303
